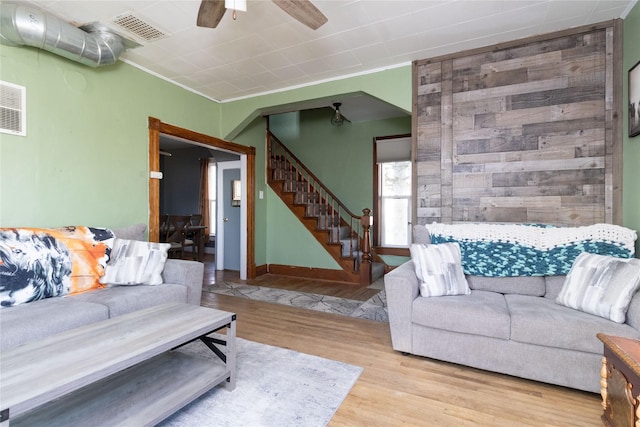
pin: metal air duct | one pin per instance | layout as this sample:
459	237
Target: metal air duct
23	25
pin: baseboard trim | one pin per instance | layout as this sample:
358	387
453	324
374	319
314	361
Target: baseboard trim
262	269
309	273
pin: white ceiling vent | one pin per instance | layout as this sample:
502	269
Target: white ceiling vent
13	109
139	27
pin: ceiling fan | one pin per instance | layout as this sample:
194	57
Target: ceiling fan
212	11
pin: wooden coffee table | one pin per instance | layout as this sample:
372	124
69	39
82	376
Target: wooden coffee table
118	371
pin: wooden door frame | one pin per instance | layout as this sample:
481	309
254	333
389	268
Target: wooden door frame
157	127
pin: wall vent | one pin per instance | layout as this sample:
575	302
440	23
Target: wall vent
13	109
142	29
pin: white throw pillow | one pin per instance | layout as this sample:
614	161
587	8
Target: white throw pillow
135	262
439	269
601	285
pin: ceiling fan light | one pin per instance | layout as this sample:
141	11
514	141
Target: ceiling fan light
236	5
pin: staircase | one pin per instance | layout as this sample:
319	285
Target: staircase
344	235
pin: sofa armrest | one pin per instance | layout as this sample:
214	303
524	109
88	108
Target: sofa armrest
402	288
186	273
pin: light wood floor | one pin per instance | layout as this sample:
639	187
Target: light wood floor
396	390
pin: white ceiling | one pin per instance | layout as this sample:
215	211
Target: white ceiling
265	50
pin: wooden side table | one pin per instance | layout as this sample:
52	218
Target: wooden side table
620	381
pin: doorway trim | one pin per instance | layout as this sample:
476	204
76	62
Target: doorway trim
157	127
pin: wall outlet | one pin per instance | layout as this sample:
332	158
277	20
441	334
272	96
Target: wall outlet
260	194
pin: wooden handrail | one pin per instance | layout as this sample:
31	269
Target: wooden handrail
365	221
332	215
310	174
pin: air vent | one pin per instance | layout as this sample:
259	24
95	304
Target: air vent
13	109
139	27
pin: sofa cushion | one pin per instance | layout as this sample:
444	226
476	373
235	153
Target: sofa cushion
524	285
421	235
541	321
480	313
134	262
633	312
126	299
554	286
37	263
439	270
40	319
131	232
601	285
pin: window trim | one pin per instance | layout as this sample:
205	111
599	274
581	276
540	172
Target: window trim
377	223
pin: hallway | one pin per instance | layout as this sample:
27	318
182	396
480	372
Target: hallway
322	287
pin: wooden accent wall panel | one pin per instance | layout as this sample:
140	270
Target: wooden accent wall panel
520	132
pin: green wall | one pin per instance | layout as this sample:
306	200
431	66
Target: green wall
85	157
254	135
392	85
630	146
342	158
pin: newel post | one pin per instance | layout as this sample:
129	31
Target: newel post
365	267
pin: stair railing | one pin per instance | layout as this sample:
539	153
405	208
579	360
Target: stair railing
332	214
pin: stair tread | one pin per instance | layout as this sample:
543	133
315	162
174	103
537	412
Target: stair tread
289	181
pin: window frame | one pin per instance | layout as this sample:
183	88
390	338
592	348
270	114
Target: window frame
376	230
382	199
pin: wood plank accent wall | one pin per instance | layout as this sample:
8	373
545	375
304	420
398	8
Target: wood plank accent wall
521	132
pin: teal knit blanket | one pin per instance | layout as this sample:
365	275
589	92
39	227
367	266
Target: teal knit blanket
530	249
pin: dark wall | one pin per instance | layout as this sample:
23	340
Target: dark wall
181	180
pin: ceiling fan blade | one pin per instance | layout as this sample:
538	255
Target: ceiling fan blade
303	11
210	13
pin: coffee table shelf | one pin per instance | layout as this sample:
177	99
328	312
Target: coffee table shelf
118	371
142	395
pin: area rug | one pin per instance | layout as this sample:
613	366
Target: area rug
374	308
274	387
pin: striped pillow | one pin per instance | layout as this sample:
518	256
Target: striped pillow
601	285
135	262
439	269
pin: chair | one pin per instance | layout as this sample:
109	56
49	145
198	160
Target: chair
177	233
195	219
164	227
197	234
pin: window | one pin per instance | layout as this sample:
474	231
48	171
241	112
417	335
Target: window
395	203
212	186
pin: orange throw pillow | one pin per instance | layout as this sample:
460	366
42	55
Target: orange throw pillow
37	263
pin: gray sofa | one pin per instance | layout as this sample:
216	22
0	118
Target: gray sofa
39	319
510	325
